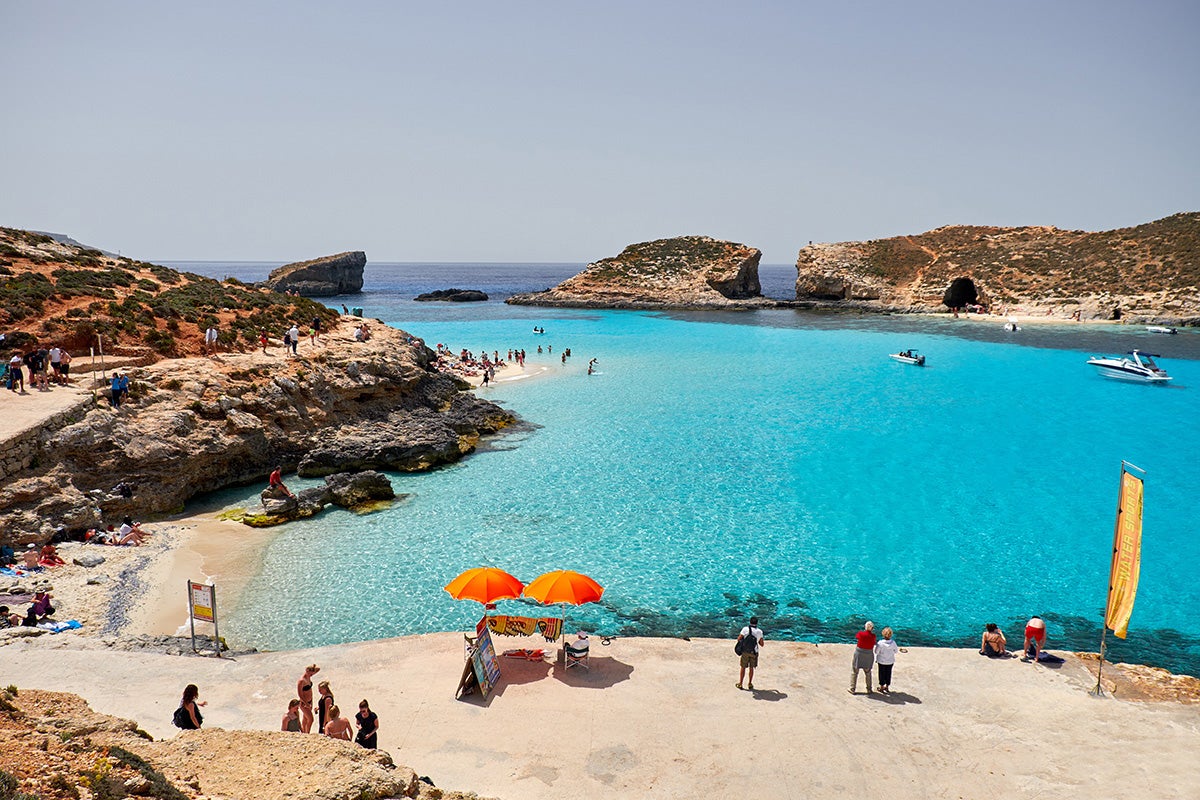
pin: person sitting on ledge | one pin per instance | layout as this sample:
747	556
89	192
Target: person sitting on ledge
993	644
275	481
50	557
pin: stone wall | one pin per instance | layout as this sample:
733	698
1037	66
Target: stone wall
19	450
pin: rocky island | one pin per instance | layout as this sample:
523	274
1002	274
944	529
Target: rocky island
1147	273
193	424
683	272
320	277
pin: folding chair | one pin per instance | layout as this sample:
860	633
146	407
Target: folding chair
575	658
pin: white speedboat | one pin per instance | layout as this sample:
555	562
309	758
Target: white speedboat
1011	326
1136	366
1160	329
909	357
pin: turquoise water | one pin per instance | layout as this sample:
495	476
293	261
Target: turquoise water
775	463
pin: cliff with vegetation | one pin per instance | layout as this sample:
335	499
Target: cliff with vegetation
684	272
1147	273
194	423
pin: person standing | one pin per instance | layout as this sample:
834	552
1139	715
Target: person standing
191	717
324	703
210	340
294	337
316	330
65	366
55	356
864	656
752	639
368	726
15	375
885	657
304	688
1035	639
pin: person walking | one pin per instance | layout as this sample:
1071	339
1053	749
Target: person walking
885	658
294	337
751	639
210	340
368	726
191	717
864	656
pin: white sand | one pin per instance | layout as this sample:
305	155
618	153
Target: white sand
661	718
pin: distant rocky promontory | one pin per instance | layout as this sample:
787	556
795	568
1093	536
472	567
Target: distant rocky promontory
453	296
1147	273
683	272
320	277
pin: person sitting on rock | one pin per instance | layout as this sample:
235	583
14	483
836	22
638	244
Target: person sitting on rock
42	607
50	557
275	481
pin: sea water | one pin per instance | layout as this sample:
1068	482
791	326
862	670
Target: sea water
775	463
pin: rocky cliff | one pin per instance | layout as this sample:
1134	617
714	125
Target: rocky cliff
684	272
320	277
196	424
1145	273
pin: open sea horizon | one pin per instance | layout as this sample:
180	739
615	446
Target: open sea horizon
774	463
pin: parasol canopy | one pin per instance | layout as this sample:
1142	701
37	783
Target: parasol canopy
484	585
564	586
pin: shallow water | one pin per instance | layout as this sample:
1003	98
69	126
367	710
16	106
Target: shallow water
775	463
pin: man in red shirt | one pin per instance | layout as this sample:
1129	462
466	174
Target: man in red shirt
864	656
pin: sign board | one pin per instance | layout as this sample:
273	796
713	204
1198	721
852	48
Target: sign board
483	658
202	606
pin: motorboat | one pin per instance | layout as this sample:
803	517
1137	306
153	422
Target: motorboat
1161	329
909	357
1011	326
1135	366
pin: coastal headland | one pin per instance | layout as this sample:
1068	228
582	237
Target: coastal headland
1145	274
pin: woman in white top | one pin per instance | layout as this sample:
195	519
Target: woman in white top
885	657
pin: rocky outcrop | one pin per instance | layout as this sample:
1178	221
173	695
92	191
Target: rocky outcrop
320	277
355	491
684	272
194	425
453	296
1147	273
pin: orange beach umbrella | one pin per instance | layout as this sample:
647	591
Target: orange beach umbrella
564	586
484	585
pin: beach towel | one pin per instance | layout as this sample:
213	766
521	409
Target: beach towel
551	628
59	627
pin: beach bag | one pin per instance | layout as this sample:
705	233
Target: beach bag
181	718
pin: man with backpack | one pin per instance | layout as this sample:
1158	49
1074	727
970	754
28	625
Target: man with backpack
748	643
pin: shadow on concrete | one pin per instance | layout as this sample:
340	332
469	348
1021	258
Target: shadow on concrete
773	695
895	698
604	672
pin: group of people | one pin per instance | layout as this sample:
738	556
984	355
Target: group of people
40	610
880	652
119	389
130	533
330	722
38	361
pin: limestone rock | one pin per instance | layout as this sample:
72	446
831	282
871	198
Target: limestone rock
354	489
320	277
453	296
88	560
684	272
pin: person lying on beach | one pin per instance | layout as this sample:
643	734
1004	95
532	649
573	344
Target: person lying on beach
338	727
993	644
50	557
129	533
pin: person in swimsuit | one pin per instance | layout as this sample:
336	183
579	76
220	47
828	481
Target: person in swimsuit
368	726
50	557
1035	639
338	726
323	704
291	720
304	692
994	644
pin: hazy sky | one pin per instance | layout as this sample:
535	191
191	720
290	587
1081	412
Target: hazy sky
562	131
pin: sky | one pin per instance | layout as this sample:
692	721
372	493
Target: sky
563	131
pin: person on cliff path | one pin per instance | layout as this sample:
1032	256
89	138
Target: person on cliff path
294	337
864	656
210	340
751	638
191	716
316	331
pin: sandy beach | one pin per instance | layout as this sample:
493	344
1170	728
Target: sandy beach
651	718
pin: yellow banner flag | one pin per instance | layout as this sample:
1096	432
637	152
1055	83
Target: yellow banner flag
1126	556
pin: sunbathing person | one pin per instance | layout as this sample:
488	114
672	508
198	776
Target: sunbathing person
129	533
30	559
994	645
9	619
50	557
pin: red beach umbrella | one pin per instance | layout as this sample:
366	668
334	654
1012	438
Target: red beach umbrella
564	586
484	585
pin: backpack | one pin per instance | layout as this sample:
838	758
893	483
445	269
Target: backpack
746	644
181	718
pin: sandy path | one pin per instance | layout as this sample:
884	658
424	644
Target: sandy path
662	719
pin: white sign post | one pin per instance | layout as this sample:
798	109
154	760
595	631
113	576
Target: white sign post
202	605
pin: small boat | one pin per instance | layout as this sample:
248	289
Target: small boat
1012	326
909	357
1161	329
1136	366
